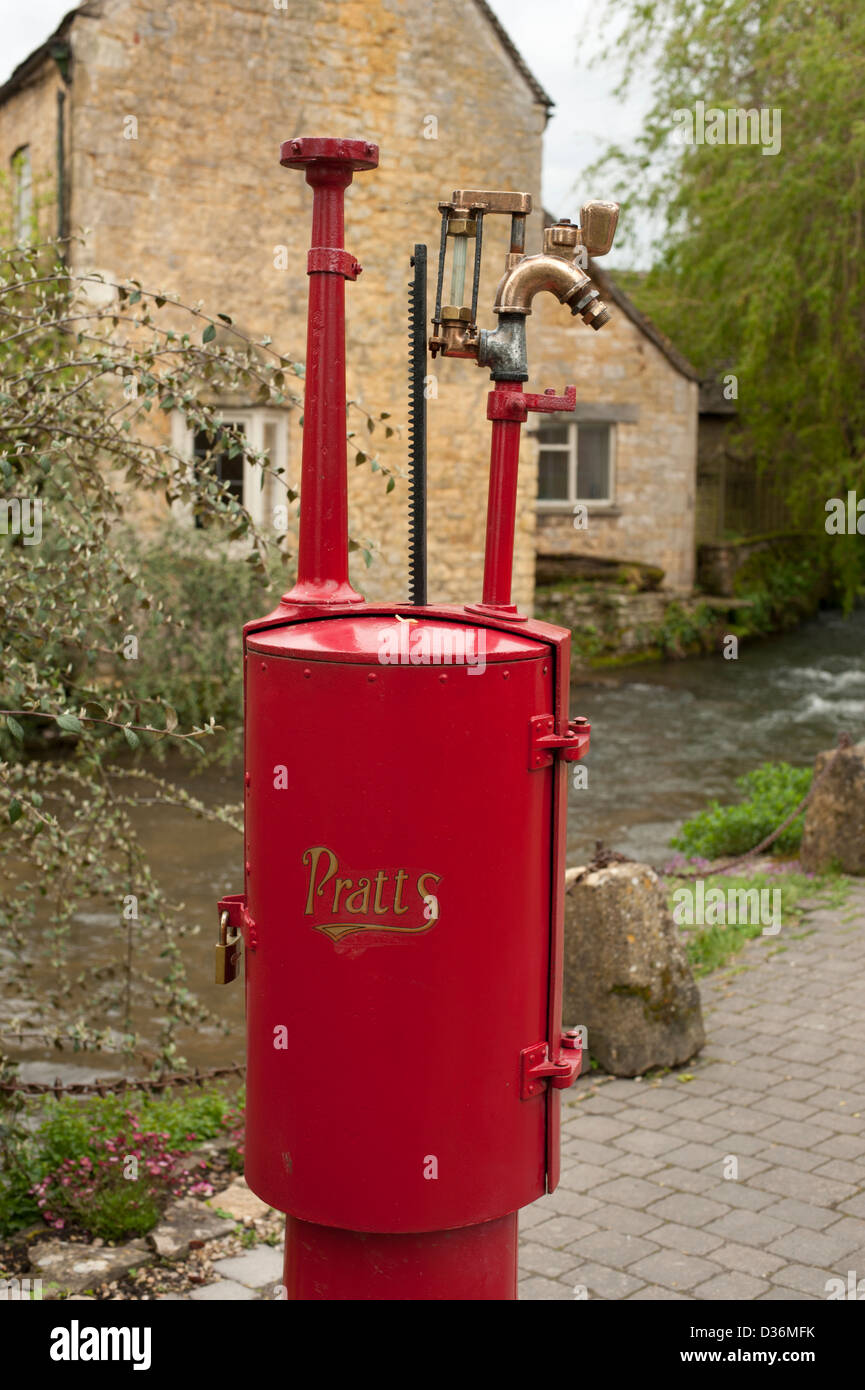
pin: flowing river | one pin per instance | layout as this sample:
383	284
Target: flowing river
665	738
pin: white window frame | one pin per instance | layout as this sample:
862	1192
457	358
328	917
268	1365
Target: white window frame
556	504
260	501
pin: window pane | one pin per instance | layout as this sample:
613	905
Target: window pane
552	434
553	475
593	462
270	441
228	470
22	173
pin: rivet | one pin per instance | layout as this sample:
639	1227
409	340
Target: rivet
371	677
264	665
248	778
307	673
545	670
443	679
505	675
248	867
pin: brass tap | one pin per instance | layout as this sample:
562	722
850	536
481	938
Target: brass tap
559	269
556	270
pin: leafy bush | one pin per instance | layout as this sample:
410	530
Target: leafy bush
772	790
72	1169
121	1190
92	371
682	632
209	595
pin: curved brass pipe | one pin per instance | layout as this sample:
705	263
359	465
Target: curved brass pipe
532	274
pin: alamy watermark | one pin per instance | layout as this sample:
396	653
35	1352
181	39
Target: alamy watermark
410	643
758	907
846	517
21	516
736	126
20	1290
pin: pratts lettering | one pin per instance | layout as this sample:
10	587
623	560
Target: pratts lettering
369	899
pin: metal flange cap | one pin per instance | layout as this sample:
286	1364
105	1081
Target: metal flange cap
314	149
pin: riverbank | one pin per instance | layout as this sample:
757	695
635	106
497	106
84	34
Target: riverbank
669	736
613	627
747	588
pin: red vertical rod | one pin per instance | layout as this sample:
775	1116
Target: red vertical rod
322	567
502	507
322	570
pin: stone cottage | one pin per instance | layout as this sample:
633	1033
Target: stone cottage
156	124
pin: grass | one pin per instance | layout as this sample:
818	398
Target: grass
711	945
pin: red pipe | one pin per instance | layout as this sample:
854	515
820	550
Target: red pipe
502	508
322	568
327	1264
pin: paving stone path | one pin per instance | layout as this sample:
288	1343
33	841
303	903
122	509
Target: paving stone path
745	1181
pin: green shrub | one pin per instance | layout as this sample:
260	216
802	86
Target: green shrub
772	790
190	648
76	1135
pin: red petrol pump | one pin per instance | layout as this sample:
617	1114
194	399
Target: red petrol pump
401	919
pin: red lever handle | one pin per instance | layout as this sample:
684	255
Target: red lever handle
515	405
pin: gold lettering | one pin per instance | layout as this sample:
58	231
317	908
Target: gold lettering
429	900
337	890
363	895
381	879
423	891
397	897
311	857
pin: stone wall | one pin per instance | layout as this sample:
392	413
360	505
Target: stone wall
197	203
652	519
30	118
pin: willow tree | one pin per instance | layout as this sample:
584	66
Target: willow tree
752	160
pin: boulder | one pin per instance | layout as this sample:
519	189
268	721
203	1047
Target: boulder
184	1221
68	1268
239	1202
834	834
627	978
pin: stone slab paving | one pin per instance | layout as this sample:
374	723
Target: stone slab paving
254	1274
741	1176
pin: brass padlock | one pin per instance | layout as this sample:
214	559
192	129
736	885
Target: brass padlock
227	953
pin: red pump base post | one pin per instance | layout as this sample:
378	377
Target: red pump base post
477	1263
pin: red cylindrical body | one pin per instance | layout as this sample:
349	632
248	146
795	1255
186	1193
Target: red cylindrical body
386	1045
401	948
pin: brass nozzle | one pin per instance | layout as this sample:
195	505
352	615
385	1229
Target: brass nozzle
592	309
532	274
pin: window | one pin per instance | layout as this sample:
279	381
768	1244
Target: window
575	463
219	453
262	493
22	193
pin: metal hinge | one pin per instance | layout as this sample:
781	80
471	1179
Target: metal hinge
239	919
544	744
537	1067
